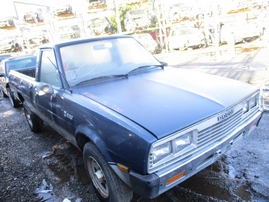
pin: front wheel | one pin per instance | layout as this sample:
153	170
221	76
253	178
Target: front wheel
34	122
107	184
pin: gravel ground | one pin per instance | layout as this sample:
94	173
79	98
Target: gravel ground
38	167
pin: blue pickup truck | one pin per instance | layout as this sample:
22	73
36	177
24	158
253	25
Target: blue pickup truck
143	127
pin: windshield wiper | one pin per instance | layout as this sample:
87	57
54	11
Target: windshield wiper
103	78
145	67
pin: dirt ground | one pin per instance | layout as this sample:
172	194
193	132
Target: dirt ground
44	167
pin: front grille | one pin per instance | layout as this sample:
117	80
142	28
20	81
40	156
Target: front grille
219	131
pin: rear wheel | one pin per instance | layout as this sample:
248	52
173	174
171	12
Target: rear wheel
107	184
34	122
15	103
1	94
204	44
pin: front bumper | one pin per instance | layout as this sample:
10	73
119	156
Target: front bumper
151	186
194	43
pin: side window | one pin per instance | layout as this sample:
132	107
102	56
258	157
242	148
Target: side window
48	72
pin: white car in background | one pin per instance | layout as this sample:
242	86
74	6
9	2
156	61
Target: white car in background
182	38
136	19
148	42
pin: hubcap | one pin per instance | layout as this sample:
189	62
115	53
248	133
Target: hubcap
98	177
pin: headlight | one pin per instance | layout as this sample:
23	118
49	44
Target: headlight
250	103
161	152
175	145
182	142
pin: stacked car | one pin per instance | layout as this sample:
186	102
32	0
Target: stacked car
6	22
136	19
64	20
184	37
99	25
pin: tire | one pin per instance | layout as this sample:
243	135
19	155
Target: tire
2	94
34	122
14	103
204	44
5	95
109	186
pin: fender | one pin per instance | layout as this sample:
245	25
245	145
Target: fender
87	132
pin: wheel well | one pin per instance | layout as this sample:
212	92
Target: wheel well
85	135
20	97
82	139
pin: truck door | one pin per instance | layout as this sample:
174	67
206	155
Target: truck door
48	74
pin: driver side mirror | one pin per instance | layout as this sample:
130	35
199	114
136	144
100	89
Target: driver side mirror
164	63
43	89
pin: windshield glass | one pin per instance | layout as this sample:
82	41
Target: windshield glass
86	61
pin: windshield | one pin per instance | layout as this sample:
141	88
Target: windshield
90	60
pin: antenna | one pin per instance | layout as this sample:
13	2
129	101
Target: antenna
63	76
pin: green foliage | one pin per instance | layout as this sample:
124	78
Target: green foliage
122	11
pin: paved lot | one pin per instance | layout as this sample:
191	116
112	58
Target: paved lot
246	62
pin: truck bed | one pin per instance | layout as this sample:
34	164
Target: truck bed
27	71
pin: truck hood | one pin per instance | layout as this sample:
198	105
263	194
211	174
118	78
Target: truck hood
165	101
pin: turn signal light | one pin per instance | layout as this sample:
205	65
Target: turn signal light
123	168
175	178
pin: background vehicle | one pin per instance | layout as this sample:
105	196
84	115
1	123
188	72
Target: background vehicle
106	101
6	22
180	11
184	37
60	8
99	25
31	17
148	42
235	32
67	32
136	19
2	57
95	4
25	64
34	38
10	44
